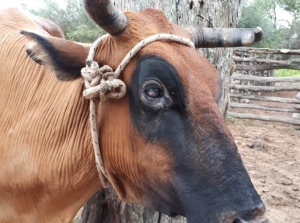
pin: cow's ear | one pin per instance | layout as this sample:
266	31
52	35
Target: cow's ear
49	26
65	57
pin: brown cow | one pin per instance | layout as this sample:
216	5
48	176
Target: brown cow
165	144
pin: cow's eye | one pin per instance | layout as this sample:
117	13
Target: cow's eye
155	95
154	91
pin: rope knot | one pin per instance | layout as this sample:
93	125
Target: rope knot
101	82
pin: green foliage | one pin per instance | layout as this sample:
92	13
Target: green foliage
261	13
232	120
84	33
292	35
72	19
294	40
287	73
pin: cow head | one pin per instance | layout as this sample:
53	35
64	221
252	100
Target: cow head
165	144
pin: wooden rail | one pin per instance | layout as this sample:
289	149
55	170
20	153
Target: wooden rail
267	51
260	107
265	98
264	88
265	118
256	68
265	64
264	79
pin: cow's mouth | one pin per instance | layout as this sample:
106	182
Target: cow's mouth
260	219
173	214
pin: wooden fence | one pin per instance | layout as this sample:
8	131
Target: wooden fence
266	59
254	76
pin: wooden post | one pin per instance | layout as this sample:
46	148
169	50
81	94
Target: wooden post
297	107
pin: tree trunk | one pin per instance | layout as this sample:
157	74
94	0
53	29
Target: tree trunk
105	207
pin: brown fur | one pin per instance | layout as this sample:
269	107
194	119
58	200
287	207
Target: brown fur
47	169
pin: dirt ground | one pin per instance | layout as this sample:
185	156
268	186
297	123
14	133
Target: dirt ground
271	153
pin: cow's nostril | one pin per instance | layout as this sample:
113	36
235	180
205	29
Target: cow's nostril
236	221
261	209
256	213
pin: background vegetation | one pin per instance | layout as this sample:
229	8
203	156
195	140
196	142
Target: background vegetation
73	20
287	73
278	32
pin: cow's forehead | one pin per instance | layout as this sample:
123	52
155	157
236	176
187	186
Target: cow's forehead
195	71
189	64
142	25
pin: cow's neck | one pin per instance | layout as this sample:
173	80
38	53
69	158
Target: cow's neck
49	169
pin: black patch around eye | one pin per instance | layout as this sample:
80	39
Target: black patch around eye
153	123
155	68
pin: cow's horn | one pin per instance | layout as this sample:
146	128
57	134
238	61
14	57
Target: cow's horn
106	15
226	37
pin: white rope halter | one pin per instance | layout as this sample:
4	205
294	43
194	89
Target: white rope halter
101	83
